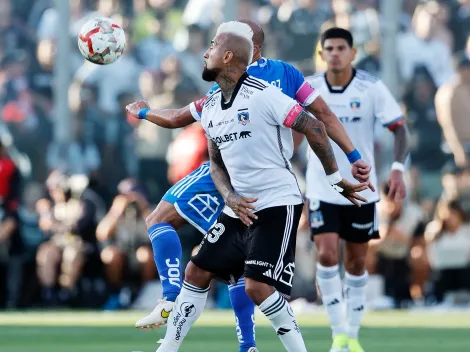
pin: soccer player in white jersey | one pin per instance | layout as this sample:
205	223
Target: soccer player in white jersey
248	122
358	99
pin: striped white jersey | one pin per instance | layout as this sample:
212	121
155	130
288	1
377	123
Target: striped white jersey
363	100
253	134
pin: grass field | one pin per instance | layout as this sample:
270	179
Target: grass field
214	332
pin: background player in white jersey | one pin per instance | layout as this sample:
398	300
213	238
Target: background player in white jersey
358	99
248	123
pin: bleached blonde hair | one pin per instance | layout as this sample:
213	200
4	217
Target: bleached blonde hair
238	29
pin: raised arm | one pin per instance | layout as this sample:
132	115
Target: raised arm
166	118
315	132
240	205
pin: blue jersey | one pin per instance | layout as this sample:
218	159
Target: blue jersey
278	73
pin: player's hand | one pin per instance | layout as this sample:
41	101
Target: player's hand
349	191
397	185
134	108
361	172
242	207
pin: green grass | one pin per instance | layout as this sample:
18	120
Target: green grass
214	332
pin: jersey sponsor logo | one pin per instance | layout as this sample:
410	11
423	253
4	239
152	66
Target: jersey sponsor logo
210	124
245	92
268	273
316	219
205	205
231	137
188	309
243	117
222	123
347	119
259	263
355	104
245	134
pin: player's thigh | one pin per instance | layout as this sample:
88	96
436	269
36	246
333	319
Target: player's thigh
325	225
196	199
271	247
221	251
165	212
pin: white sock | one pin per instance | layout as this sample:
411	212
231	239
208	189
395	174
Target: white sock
355	294
331	289
188	307
281	316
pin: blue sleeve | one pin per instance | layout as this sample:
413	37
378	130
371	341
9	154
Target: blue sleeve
296	78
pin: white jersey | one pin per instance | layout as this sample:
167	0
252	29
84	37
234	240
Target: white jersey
357	106
253	135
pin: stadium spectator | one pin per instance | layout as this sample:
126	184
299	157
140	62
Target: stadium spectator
449	249
123	237
69	222
400	223
452	105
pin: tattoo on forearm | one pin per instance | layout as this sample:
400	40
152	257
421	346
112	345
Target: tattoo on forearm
317	138
218	170
401	143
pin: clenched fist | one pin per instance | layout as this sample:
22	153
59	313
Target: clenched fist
134	108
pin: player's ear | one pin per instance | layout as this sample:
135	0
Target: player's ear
353	54
320	52
228	56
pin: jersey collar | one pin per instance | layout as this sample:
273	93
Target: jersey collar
260	62
342	89
228	105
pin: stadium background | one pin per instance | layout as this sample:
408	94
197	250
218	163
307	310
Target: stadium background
78	159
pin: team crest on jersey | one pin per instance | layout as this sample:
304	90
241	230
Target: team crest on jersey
316	219
355	104
243	117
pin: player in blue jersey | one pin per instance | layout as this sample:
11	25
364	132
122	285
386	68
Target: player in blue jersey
195	199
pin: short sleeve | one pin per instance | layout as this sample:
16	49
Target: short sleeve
196	106
276	108
305	94
386	108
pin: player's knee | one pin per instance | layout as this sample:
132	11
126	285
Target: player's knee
48	253
164	213
327	256
257	291
196	276
356	266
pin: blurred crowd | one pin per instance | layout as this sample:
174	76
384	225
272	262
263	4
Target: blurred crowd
72	229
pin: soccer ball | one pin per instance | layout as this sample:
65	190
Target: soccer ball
101	41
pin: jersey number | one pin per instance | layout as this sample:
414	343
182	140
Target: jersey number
277	83
215	232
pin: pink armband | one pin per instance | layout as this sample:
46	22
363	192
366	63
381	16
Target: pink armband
293	113
306	94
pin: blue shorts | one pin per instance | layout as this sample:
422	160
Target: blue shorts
196	199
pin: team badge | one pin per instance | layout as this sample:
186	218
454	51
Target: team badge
316	219
355	104
243	117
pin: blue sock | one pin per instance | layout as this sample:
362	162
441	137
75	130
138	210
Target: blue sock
167	255
244	309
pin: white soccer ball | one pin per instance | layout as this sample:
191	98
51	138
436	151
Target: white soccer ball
101	41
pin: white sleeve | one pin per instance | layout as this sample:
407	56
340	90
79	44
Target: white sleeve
275	107
386	108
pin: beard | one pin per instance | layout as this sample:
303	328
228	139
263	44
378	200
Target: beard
210	75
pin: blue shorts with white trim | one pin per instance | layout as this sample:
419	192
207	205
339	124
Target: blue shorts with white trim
196	199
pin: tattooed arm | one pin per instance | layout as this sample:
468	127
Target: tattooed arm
317	138
396	183
315	132
241	206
